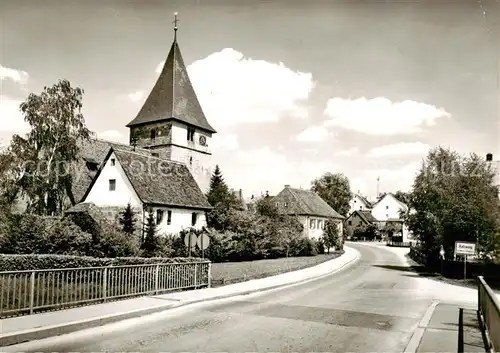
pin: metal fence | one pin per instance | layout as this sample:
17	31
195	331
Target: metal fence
26	292
489	310
399	244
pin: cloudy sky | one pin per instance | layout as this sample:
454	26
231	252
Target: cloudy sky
294	88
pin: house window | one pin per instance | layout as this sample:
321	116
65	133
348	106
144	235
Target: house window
190	134
320	224
349	222
190	160
154	154
169	217
159	216
312	224
112	184
387	207
153	134
286	204
360	208
277	204
194	218
112	162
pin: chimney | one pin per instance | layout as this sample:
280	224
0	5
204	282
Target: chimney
287	186
241	194
489	157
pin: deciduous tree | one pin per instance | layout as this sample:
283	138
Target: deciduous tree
454	199
335	189
41	161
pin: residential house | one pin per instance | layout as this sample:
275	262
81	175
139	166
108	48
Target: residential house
387	213
149	184
359	219
359	203
311	210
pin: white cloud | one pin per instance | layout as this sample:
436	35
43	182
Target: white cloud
11	119
233	89
380	116
400	149
112	135
136	96
17	76
224	142
313	134
348	152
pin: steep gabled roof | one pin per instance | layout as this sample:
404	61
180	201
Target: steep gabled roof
304	202
364	199
367	216
402	204
92	151
158	181
173	96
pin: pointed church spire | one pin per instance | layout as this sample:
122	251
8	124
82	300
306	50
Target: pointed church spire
173	96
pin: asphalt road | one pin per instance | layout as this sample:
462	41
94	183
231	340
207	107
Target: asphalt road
371	306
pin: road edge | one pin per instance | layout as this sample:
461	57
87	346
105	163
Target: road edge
66	328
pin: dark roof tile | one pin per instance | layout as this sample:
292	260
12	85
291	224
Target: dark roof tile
304	202
160	181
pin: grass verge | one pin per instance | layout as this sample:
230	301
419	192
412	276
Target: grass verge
234	272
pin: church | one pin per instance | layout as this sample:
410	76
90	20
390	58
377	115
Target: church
165	169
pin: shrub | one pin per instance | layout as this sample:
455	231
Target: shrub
40	261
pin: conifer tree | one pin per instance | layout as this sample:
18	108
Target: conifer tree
150	243
127	220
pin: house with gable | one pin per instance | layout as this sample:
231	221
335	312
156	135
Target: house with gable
311	210
387	213
359	219
359	203
149	184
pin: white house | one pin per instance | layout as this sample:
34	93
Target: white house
387	210
150	184
311	210
359	203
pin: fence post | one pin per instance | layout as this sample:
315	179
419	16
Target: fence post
195	274
209	274
461	330
105	284
157	273
32	291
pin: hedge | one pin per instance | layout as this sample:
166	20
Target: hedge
43	262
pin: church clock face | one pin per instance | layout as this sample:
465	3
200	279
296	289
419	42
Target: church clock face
203	140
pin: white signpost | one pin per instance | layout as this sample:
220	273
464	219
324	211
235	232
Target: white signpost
203	242
190	241
465	249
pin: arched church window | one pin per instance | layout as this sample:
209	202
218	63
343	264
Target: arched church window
153	134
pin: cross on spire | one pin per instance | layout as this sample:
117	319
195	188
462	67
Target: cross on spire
175	25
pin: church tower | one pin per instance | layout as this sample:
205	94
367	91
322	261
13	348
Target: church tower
171	122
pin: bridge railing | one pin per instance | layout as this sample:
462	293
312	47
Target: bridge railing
27	292
489	311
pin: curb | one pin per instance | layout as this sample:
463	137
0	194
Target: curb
57	330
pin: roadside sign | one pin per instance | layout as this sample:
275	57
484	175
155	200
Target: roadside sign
203	241
465	248
190	240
